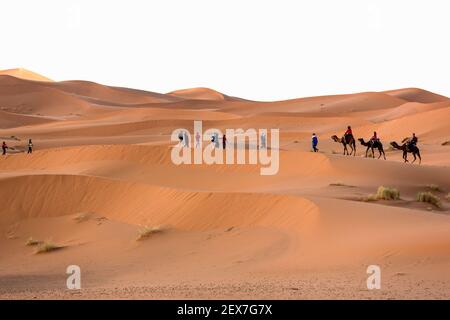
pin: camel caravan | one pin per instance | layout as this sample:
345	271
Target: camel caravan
409	145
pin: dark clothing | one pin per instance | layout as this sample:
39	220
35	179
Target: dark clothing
4	147
315	142
224	141
412	143
374	140
348	135
348	138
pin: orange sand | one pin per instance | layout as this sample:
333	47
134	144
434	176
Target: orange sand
228	232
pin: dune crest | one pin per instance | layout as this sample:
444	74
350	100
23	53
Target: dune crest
24	74
199	94
417	95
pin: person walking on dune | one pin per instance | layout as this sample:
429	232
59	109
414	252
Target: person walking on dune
180	137
186	139
30	146
224	142
197	140
216	140
263	140
4	147
315	142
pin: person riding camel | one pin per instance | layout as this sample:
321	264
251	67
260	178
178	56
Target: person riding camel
413	142
348	134
374	138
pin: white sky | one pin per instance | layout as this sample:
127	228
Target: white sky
255	49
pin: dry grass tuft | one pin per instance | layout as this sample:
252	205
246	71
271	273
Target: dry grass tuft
146	232
433	187
384	193
82	216
45	247
340	184
428	197
32	242
370	197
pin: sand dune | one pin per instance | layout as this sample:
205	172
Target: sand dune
201	94
12	120
29	97
431	125
178	209
105	95
24	74
327	105
416	95
407	109
103	154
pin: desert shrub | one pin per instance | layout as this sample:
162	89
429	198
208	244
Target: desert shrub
82	216
44	247
370	197
146	232
383	193
428	197
433	187
340	184
386	193
337	184
32	242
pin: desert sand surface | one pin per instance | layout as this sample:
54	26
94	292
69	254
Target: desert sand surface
101	171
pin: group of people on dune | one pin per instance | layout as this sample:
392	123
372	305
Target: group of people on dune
411	143
5	147
183	137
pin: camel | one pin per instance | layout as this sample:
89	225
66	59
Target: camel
407	149
349	140
377	144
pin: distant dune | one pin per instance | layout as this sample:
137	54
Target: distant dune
32	98
202	94
101	172
417	95
24	74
